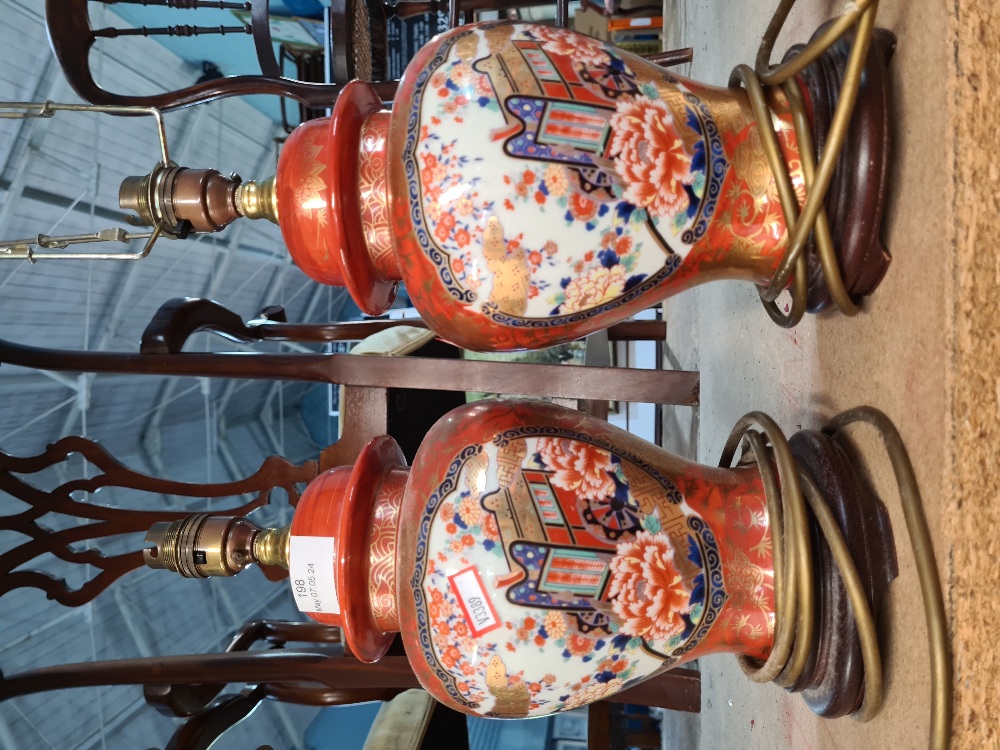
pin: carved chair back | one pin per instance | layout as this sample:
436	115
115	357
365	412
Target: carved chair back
95	522
72	37
353	30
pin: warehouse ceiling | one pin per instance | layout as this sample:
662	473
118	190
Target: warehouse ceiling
60	176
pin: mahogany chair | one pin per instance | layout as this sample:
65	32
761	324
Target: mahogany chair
77	545
72	37
179	318
367	380
160	355
209	713
366	411
95	523
318	674
189	686
353	30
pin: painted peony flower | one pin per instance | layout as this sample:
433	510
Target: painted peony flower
597	286
581	207
579	467
649	156
647	592
583	49
579	645
594	691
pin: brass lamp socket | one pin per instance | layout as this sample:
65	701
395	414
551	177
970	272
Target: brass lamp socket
171	195
203	545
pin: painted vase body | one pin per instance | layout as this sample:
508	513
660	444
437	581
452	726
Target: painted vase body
536	559
543	185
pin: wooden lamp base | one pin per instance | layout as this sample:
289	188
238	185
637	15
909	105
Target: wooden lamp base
832	683
856	197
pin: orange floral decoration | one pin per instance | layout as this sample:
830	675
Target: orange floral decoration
647	591
582	49
581	207
649	156
555	624
579	467
579	645
595	691
594	288
469	511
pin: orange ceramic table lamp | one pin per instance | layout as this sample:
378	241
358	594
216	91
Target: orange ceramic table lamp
536	559
532	185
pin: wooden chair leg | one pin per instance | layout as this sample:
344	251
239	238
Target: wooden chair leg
202	730
599	726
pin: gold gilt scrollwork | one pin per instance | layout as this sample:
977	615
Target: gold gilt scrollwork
312	188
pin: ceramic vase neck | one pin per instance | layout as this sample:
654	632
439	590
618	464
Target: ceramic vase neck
333	198
373	191
342	558
382	545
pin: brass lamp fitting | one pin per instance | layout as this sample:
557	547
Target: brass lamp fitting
203	198
258	200
203	545
270	546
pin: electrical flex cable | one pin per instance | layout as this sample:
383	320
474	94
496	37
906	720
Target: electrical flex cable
789	491
812	218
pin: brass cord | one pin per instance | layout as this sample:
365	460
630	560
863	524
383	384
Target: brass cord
812	218
795	621
793	577
927	571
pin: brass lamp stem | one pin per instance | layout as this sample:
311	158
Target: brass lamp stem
203	545
270	546
258	200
